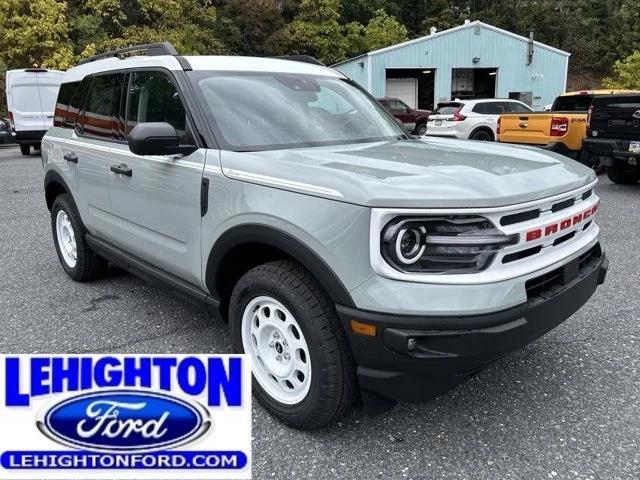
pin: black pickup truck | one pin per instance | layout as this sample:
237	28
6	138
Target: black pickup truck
613	136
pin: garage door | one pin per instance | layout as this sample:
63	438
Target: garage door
406	89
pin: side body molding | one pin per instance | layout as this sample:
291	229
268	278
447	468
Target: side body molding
273	237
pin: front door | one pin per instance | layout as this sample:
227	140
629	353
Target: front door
155	205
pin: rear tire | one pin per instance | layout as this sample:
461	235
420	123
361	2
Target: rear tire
279	310
25	149
76	258
623	175
482	135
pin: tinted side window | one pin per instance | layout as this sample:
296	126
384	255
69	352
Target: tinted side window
480	108
398	107
154	98
494	108
101	108
62	104
515	107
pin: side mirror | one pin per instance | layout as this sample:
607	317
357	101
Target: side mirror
156	138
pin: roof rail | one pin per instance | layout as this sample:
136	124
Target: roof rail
301	58
149	49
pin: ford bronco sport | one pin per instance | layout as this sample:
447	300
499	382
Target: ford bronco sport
349	260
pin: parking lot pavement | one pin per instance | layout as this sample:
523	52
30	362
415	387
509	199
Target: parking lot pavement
567	406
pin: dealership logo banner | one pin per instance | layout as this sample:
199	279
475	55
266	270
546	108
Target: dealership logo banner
125	416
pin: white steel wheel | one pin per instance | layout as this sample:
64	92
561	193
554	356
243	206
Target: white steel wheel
279	352
66	239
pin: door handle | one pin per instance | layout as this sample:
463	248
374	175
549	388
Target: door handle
122	169
71	157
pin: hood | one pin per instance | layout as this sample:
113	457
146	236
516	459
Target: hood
422	112
426	173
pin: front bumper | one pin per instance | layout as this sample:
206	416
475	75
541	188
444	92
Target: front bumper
447	350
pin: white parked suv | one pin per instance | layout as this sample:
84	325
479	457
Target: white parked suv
472	119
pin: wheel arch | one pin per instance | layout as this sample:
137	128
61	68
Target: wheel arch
485	128
245	246
54	185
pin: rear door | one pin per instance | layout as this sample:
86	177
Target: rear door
155	207
24	101
48	86
95	136
616	116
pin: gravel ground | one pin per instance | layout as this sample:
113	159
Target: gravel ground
567	406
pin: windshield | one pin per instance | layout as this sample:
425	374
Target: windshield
268	111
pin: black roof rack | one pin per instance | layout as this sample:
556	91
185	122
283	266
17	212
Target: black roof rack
301	58
149	49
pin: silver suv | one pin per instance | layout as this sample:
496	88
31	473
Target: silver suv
350	260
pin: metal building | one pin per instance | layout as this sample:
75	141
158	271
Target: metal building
473	60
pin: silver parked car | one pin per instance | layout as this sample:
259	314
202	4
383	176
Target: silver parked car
348	259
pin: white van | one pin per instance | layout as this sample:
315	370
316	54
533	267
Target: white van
31	100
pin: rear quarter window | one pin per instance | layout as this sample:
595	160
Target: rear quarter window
62	104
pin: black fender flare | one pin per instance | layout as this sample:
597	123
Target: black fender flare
54	177
281	240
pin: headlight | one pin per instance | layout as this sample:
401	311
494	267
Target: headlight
448	244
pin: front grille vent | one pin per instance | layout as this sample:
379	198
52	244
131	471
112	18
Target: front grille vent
562	205
519	217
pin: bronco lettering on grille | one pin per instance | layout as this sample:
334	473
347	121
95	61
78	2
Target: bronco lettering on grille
552	228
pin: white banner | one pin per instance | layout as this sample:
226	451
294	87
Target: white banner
125	417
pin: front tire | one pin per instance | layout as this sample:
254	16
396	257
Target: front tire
76	258
623	176
303	372
25	149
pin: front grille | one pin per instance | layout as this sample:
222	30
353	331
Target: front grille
532	214
553	282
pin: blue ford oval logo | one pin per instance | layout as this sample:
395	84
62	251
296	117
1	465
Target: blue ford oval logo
121	420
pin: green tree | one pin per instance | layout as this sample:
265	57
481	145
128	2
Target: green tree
316	31
35	34
248	26
107	24
626	73
382	31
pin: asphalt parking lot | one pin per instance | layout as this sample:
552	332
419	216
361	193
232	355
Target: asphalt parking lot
567	406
